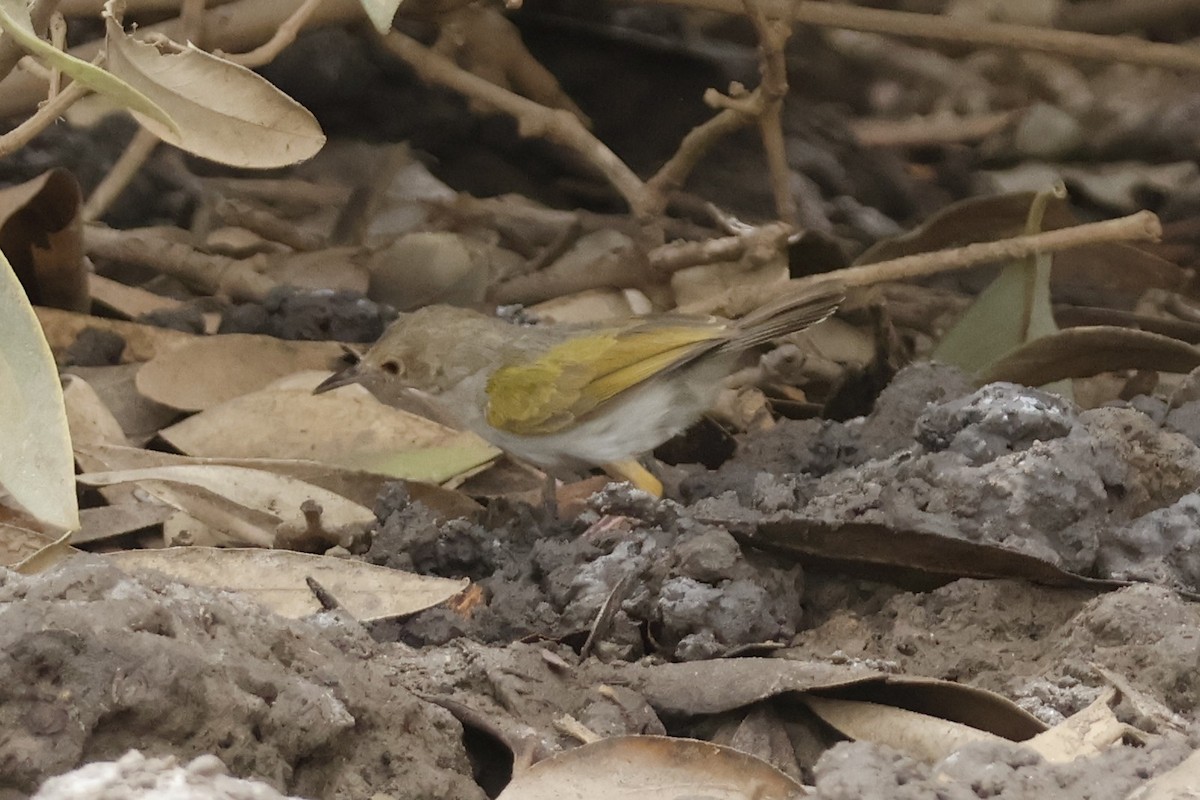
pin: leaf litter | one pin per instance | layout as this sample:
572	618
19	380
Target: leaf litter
905	590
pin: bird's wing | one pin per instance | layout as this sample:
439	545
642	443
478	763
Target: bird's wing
572	379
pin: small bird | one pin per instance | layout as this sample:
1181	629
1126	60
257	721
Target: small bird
566	397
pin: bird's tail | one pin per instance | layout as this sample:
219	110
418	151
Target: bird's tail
794	312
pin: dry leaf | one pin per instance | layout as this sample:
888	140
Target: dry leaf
1086	351
88	418
55	552
346	427
41	232
128	301
18	544
210	370
360	487
923	737
1083	734
276	578
108	522
652	768
225	112
142	342
250	506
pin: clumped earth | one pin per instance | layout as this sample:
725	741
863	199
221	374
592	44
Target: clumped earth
96	662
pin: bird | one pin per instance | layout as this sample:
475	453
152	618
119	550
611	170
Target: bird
572	397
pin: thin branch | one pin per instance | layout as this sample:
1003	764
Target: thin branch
928	26
110	187
533	119
772	36
930	130
1142	226
285	35
43	118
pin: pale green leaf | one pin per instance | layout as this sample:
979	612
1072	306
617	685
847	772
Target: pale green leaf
36	465
15	21
428	464
1013	310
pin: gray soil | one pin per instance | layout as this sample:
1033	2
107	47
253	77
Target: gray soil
790	549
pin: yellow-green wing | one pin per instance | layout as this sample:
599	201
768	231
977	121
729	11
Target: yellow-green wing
575	377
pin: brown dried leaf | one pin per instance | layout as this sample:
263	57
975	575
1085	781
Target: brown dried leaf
225	112
921	736
142	342
41	232
251	506
277	579
1086	351
211	370
349	428
652	768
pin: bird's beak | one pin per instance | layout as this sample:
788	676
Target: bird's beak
344	378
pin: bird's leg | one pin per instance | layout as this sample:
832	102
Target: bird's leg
635	473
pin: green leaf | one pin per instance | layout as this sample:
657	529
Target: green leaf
37	467
1013	310
15	21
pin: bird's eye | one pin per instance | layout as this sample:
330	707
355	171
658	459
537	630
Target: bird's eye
391	367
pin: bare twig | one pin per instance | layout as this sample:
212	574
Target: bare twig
210	273
284	35
533	119
1142	226
928	26
932	130
43	118
267	225
773	86
109	189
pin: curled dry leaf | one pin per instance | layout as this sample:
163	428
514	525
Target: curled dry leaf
277	579
211	370
36	466
1089	350
41	232
251	506
652	768
717	686
224	112
918	559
